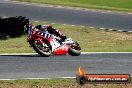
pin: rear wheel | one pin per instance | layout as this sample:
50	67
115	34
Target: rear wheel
42	49
74	49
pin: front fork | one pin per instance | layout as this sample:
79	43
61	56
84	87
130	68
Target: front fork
39	40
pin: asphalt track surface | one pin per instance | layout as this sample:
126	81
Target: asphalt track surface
68	16
34	66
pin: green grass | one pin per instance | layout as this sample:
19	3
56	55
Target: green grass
122	5
15	45
38	83
56	83
90	40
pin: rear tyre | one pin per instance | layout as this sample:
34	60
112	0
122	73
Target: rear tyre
43	49
74	49
74	52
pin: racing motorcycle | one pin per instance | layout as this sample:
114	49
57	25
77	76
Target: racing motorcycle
47	44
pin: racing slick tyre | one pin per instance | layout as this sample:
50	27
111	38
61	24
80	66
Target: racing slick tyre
74	49
74	52
43	49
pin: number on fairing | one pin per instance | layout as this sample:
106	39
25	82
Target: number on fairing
46	35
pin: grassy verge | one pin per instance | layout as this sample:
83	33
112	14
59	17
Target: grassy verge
56	83
120	5
90	40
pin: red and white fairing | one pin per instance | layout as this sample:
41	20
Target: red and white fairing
46	44
62	50
58	49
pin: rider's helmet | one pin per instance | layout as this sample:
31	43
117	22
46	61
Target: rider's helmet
39	27
47	26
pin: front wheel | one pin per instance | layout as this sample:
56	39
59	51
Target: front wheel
74	49
42	49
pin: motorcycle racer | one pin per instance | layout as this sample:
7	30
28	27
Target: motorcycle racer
48	28
43	41
51	30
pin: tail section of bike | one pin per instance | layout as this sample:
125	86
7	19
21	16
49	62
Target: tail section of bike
62	50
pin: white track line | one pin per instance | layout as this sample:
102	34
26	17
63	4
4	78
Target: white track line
41	78
81	53
104	52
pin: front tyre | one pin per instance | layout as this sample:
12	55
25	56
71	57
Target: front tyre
42	49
